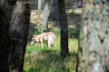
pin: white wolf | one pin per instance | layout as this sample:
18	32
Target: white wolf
46	36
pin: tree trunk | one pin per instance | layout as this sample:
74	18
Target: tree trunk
13	34
94	37
4	35
39	5
47	6
54	13
18	32
64	29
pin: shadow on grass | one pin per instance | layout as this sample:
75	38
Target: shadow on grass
49	61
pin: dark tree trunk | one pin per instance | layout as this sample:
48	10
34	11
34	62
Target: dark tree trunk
14	22
4	37
64	29
18	32
54	13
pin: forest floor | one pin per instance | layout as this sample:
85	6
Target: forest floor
73	19
38	59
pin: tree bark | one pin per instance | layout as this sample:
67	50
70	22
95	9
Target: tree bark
39	5
94	36
13	34
47	7
4	35
18	31
64	29
54	13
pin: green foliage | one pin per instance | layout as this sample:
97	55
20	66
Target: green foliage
37	30
56	31
29	69
73	11
73	33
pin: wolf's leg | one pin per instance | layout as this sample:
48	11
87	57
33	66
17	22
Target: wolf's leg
32	42
52	43
42	43
48	44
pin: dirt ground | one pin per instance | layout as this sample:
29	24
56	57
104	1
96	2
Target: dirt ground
73	19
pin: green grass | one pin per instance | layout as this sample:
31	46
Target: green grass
48	61
38	59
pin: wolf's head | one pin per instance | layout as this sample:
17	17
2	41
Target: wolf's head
36	38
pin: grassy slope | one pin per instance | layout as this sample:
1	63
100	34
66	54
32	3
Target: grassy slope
38	59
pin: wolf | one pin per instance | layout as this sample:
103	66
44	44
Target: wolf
48	37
